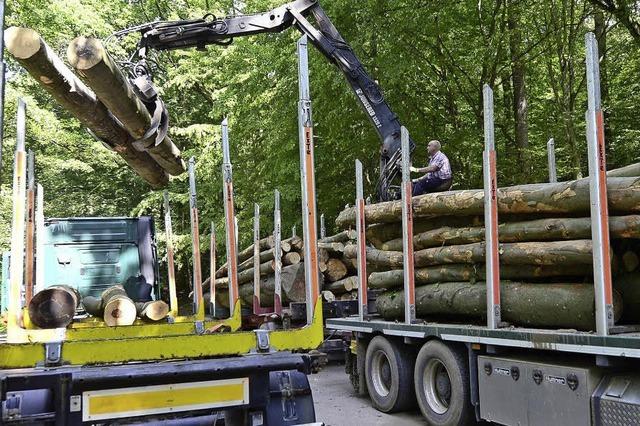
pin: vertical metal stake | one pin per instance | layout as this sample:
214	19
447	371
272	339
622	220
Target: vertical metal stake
323	230
491	214
277	255
39	239
168	230
3	69
198	306
361	257
598	192
256	259
31	224
551	159
212	268
229	217
16	272
407	231
293	231
307	173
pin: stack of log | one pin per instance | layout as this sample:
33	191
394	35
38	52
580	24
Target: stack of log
545	253
56	306
336	272
113	112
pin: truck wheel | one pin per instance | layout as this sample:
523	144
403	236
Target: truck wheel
389	370
442	385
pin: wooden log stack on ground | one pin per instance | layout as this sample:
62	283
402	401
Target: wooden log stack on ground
545	253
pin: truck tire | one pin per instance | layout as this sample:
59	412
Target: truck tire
389	375
442	385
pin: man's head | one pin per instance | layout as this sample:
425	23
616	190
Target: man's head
433	147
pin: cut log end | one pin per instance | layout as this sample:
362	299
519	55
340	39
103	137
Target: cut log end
21	42
53	307
155	310
119	311
84	53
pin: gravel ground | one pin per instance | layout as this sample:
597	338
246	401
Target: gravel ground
337	404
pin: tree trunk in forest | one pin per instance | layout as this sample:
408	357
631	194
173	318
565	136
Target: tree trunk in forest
518	72
92	62
117	307
534	305
576	252
336	270
154	310
54	307
472	273
534	230
70	92
549	198
600	31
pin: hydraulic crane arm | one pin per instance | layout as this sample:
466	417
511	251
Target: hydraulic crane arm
326	38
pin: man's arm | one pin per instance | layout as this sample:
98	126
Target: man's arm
427	169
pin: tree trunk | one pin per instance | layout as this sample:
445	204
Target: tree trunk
345	285
93	305
534	230
533	305
54	307
118	308
291	258
334	249
154	310
92	62
70	92
341	237
336	270
576	252
328	296
632	170
549	198
629	287
518	79
472	273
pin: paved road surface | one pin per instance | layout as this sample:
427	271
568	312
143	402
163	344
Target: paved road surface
338	405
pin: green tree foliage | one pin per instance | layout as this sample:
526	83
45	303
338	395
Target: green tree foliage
430	58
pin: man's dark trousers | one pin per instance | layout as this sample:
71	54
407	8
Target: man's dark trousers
426	184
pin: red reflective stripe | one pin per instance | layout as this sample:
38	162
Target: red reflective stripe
494	229
409	255
602	178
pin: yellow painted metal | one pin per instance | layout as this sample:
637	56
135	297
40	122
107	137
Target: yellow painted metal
93	329
145	400
153	348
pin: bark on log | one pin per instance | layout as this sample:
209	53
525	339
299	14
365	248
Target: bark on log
93	305
630	261
246	276
378	233
291	258
93	63
534	230
534	305
336	270
576	252
556	198
265	256
343	286
293	288
629	287
341	237
154	310
631	170
472	273
264	244
31	51
54	307
118	308
334	249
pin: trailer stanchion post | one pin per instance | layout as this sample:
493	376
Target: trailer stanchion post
407	231
16	271
307	173
598	192
256	259
363	310
551	160
212	269
491	214
229	217
39	281
293	232
171	272
323	229
3	69
198	306
29	241
277	254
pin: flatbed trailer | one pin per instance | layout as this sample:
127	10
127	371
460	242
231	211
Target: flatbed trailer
460	373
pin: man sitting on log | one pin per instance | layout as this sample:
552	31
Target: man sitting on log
438	172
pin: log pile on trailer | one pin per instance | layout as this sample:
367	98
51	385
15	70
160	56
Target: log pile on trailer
545	253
